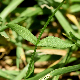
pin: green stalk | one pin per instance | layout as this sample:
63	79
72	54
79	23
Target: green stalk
32	57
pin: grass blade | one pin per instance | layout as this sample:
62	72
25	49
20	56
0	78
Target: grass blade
65	24
10	8
75	8
5	75
22	73
61	71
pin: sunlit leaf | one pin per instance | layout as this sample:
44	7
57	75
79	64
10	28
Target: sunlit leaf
51	41
75	8
25	33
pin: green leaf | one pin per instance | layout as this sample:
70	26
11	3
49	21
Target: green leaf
25	33
60	71
6	75
75	8
75	0
31	11
51	41
73	36
12	5
22	73
65	24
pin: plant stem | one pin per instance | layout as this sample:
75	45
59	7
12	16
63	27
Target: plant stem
32	57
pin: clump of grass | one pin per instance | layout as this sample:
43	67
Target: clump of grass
20	33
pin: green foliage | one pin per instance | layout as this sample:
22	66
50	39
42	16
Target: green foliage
6	75
65	24
10	8
61	71
25	33
22	73
51	41
75	8
1	21
32	62
22	21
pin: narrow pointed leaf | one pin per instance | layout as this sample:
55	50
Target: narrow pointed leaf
25	33
51	41
65	24
60	71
